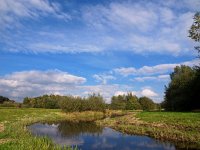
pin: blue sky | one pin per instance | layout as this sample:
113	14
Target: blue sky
82	46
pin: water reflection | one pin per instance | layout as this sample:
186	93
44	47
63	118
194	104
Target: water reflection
87	135
73	129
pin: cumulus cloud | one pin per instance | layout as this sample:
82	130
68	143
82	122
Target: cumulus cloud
153	70
148	93
33	83
18	85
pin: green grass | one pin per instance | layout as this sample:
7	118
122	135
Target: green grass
183	129
173	118
16	134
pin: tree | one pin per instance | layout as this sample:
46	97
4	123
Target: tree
194	32
118	102
147	103
125	102
179	91
132	102
3	99
96	102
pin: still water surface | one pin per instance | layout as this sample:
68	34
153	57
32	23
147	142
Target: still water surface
88	136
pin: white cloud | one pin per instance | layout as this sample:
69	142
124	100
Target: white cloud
148	93
12	11
44	77
33	83
140	27
153	78
132	22
103	78
64	48
18	85
192	5
125	71
153	70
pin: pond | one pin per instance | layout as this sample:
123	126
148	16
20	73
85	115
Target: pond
88	136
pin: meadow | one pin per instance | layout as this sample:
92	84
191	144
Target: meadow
173	126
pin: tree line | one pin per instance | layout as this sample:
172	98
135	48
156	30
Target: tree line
93	102
132	102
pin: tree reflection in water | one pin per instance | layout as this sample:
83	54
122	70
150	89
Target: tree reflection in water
73	129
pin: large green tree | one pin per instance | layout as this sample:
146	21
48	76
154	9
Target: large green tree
179	92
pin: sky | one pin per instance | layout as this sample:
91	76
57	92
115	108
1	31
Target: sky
79	47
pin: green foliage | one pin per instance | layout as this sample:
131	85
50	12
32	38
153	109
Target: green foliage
147	104
132	102
91	103
194	32
70	104
118	102
67	103
182	93
96	103
3	99
11	104
125	102
45	101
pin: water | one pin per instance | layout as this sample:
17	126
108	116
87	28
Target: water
87	136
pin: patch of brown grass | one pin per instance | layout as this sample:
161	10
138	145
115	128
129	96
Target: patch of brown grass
1	127
2	141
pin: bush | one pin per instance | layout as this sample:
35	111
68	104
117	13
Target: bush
10	104
147	104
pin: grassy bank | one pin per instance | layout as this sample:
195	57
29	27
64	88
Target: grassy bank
13	122
180	128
